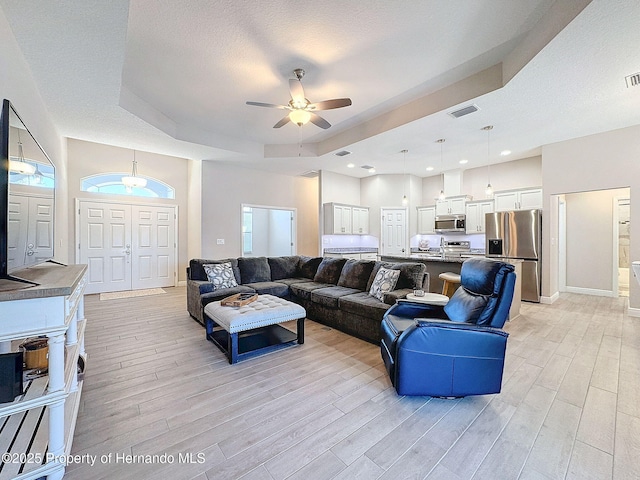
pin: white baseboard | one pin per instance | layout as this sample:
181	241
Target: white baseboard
590	291
633	312
551	299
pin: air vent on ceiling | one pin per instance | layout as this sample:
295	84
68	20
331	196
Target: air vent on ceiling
342	153
310	174
633	80
464	111
367	167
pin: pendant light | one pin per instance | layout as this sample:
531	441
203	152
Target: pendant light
489	190
405	200
134	181
441	196
21	165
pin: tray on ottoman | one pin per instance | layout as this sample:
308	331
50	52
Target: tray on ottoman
252	329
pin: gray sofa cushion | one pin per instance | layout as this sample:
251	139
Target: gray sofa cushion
291	281
328	297
303	289
254	269
356	273
272	288
329	270
411	275
308	266
363	304
283	267
196	268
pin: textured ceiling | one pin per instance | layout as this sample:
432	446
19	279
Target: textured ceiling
173	77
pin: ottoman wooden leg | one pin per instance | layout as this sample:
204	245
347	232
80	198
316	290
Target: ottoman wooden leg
300	331
232	348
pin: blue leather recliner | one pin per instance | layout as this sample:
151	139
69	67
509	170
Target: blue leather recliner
455	350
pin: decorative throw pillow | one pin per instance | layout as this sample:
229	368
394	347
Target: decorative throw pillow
385	281
220	275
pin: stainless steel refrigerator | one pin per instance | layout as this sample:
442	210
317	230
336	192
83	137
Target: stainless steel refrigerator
517	235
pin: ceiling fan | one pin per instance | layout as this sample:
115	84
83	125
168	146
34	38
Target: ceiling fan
301	110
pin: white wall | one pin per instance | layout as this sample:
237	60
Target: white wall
504	176
87	158
226	187
597	162
17	85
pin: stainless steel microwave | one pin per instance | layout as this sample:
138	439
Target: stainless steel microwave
451	223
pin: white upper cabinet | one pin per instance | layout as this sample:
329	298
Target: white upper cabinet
527	199
360	220
452	205
476	212
345	219
426	220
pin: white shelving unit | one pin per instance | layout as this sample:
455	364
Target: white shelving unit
38	426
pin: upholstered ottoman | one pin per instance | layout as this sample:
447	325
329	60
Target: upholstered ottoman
242	332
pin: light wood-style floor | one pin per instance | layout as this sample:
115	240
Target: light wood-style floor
569	407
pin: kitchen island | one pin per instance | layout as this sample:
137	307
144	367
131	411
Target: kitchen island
437	264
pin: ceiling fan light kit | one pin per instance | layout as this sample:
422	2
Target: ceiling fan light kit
301	110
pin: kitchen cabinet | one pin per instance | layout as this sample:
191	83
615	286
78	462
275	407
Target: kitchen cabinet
452	205
524	199
426	220
475	215
337	218
42	420
360	220
345	219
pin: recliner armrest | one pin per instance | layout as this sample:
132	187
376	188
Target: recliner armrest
433	322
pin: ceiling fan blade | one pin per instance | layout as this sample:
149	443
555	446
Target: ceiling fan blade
269	105
319	121
329	104
282	122
297	92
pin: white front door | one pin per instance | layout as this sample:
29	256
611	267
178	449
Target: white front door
126	246
153	246
394	231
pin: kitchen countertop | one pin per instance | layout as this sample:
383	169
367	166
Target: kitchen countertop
351	250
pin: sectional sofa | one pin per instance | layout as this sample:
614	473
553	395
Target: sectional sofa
334	291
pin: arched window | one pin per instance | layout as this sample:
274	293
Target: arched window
111	183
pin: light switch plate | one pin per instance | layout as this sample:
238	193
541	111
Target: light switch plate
220	241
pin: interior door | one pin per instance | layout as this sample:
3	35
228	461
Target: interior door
394	231
153	246
105	245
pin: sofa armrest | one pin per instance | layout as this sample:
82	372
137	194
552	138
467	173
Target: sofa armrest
390	298
200	285
440	323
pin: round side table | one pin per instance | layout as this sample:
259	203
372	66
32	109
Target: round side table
430	298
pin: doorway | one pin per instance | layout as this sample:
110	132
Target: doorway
268	231
126	246
621	231
395	231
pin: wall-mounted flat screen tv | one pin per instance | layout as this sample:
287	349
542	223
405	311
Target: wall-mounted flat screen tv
27	197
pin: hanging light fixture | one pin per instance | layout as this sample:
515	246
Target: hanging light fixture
21	165
134	181
441	196
405	200
489	190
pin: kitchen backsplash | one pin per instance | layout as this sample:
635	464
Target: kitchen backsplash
477	240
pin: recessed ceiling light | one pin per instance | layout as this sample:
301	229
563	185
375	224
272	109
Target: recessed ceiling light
429	169
463	161
372	170
350	165
504	153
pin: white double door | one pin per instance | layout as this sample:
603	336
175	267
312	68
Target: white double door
126	246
